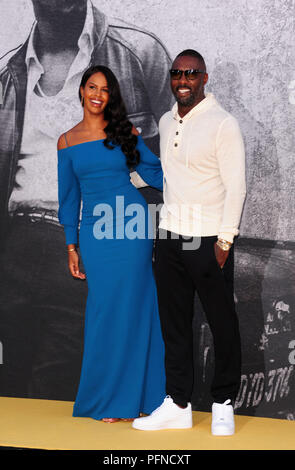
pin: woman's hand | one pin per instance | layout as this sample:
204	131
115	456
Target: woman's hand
73	262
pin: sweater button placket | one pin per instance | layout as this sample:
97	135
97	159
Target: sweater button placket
176	143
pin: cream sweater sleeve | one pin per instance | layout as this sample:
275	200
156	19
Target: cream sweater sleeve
231	158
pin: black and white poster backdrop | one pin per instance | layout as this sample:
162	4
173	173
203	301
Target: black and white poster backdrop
45	46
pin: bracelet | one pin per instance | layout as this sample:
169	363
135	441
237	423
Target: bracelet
71	249
223	244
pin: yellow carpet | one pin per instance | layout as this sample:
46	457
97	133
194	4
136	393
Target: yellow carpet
47	424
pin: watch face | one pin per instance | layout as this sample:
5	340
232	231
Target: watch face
225	246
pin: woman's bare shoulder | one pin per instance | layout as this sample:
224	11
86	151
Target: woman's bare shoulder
61	143
63	140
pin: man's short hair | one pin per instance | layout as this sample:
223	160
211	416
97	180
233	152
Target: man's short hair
192	53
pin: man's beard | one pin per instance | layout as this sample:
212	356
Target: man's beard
186	100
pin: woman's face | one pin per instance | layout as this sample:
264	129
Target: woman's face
96	93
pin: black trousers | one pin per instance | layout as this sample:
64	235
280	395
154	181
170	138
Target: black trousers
179	273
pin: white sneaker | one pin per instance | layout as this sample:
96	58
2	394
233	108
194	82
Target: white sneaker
166	416
223	423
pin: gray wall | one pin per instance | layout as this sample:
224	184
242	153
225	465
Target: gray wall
250	55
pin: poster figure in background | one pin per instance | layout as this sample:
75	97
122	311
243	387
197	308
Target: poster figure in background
41	320
203	161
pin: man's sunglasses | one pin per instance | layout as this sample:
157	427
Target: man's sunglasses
190	74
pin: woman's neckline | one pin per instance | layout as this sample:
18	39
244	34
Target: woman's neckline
87	142
82	143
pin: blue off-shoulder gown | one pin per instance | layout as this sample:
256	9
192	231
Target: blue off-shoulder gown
123	359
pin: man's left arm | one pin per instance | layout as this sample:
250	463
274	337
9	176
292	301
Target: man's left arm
231	159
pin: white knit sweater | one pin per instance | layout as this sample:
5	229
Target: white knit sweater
203	161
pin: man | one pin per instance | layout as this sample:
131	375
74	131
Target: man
203	161
41	306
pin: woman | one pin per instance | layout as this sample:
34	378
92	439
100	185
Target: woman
123	361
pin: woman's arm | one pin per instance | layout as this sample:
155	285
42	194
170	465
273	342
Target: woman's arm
149	167
69	198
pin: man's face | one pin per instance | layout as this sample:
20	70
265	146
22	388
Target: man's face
187	92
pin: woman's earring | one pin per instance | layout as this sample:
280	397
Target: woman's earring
82	101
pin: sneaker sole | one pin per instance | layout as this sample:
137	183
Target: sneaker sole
160	428
220	433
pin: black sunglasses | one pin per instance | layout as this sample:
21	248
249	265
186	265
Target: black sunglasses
190	74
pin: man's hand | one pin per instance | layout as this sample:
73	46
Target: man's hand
221	255
137	181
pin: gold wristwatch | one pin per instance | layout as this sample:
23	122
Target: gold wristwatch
224	244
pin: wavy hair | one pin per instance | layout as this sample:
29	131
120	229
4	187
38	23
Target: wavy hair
119	128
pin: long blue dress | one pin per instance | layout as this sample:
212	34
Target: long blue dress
123	360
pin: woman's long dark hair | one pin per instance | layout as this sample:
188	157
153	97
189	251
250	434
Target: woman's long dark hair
119	128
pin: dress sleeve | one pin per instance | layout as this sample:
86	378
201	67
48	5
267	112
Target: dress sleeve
149	167
69	197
